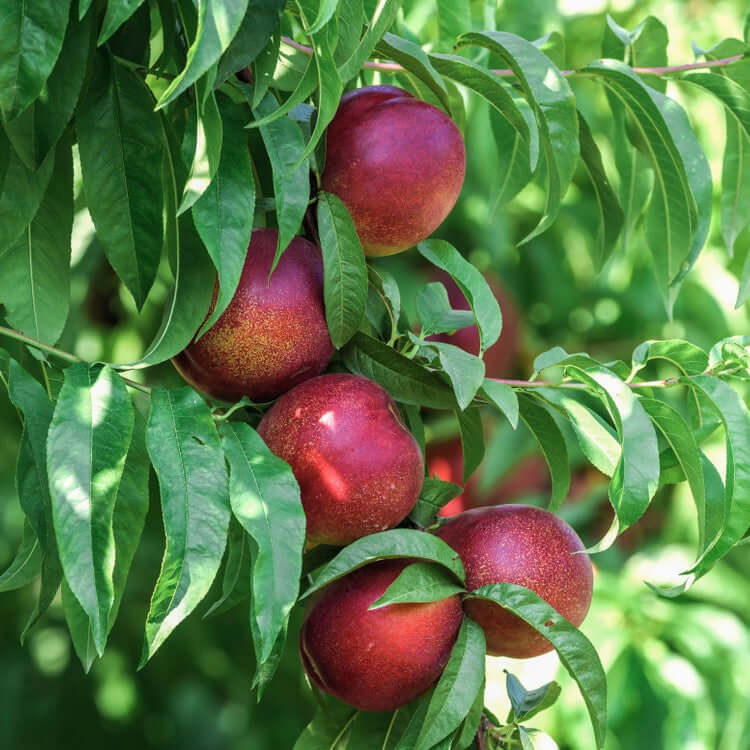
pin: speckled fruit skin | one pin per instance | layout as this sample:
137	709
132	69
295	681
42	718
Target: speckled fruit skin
273	335
527	546
382	659
359	469
397	163
500	359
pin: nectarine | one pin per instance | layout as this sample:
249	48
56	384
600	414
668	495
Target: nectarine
382	659
397	163
359	469
527	546
273	334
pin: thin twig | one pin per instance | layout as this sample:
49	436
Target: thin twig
60	354
394	67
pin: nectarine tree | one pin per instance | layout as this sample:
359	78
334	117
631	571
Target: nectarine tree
238	169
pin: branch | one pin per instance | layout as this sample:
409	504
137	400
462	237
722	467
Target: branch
59	353
506	73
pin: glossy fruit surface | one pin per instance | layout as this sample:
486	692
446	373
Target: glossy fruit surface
382	659
359	469
397	163
527	546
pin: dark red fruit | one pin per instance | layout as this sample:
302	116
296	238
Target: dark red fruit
527	546
273	334
359	469
376	660
397	163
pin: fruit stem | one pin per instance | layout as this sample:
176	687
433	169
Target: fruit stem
506	73
59	353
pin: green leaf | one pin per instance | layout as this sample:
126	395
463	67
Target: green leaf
326	9
223	215
513	163
681	439
36	131
94	412
406	381
291	184
265	499
303	90
345	270
79	627
688	358
472	439
503	397
204	142
736	100
33	33
551	442
471	723
735	418
328	729
472	285
129	517
454	17
388	544
527	703
260	21
330	86
218	22
457	689
236	583
493	90
28	396
464	370
597	439
21	194
636	477
191	296
419	582
26	565
35	282
186	453
383	16
118	11
673	221
349	19
610	213
576	653
415	60
553	103
121	148
263	68
434	495
436	314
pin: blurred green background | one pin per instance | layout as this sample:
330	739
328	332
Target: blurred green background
678	670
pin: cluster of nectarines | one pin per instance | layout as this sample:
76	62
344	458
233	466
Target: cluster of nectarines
398	165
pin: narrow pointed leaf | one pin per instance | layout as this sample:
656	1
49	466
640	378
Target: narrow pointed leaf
118	11
419	582
223	215
457	689
503	397
383	16
553	103
576	653
384	545
265	500
94	412
218	22
552	445
186	453
26	565
344	267
35	280
121	148
33	33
